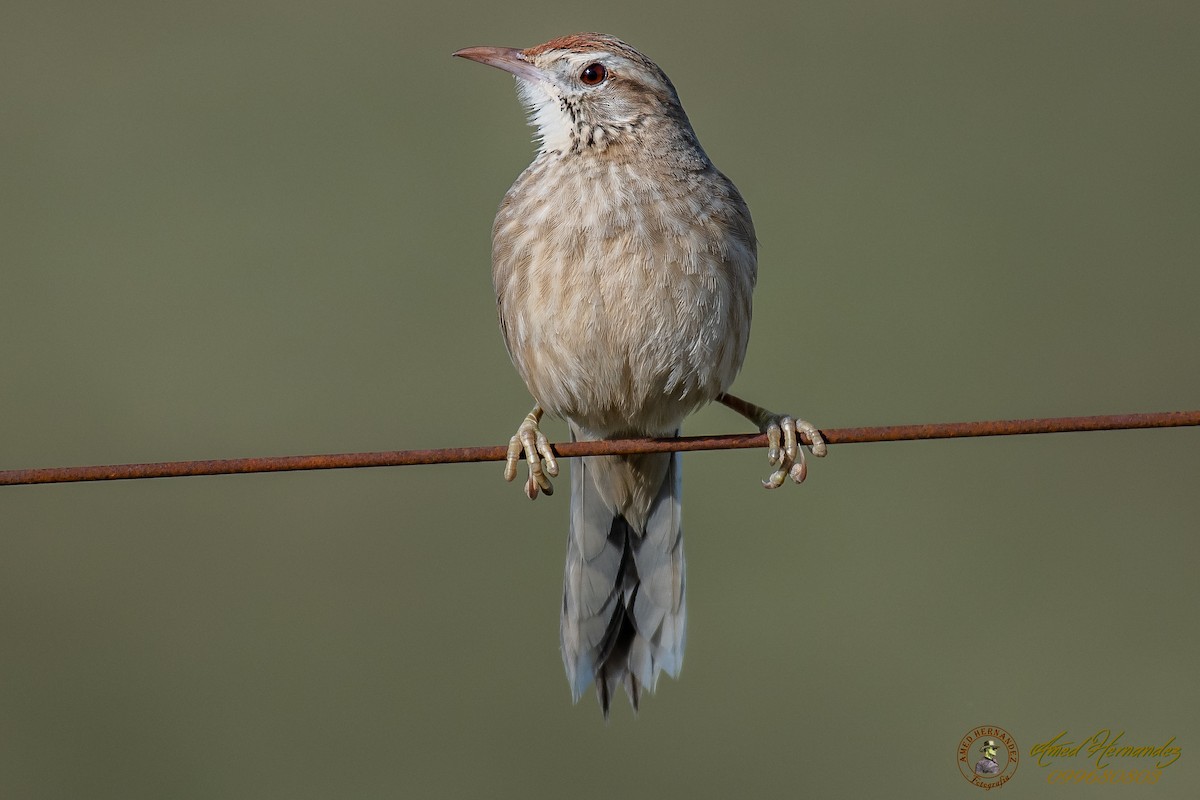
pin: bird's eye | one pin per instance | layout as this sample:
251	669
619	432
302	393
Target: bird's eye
593	74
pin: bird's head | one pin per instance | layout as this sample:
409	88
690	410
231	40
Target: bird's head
588	91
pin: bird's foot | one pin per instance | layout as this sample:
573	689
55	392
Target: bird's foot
530	440
785	451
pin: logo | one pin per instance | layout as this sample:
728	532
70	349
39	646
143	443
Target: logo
988	756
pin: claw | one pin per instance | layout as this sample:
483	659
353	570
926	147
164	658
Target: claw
774	480
530	440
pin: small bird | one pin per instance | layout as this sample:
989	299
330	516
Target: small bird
623	263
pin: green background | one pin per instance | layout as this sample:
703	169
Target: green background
262	228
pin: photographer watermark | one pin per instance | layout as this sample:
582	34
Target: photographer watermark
1104	758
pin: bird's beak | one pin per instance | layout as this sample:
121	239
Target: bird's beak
508	59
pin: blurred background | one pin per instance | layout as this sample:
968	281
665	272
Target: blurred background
262	228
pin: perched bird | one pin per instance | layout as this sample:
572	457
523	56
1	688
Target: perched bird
623	263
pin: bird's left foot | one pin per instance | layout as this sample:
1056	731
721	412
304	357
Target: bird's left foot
787	456
784	449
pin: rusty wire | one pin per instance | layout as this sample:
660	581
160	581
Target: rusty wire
459	455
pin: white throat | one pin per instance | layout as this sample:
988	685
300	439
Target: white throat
546	114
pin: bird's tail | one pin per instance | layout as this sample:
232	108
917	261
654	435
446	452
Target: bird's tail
623	613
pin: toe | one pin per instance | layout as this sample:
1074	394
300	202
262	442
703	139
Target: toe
775	480
799	470
550	462
791	444
510	461
774	433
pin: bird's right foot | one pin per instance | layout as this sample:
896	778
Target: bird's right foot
530	440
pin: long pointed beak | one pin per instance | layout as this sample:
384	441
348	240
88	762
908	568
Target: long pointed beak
508	59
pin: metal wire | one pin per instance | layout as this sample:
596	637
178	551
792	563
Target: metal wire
459	455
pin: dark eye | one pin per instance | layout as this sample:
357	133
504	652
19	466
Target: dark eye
593	74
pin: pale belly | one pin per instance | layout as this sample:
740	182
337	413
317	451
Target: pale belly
624	334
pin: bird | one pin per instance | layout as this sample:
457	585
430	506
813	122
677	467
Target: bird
623	264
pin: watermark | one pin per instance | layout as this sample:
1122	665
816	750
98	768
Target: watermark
1104	758
988	756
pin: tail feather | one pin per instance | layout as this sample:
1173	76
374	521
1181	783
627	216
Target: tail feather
623	613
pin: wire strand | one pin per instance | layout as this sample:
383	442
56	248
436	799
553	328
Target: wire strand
460	455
